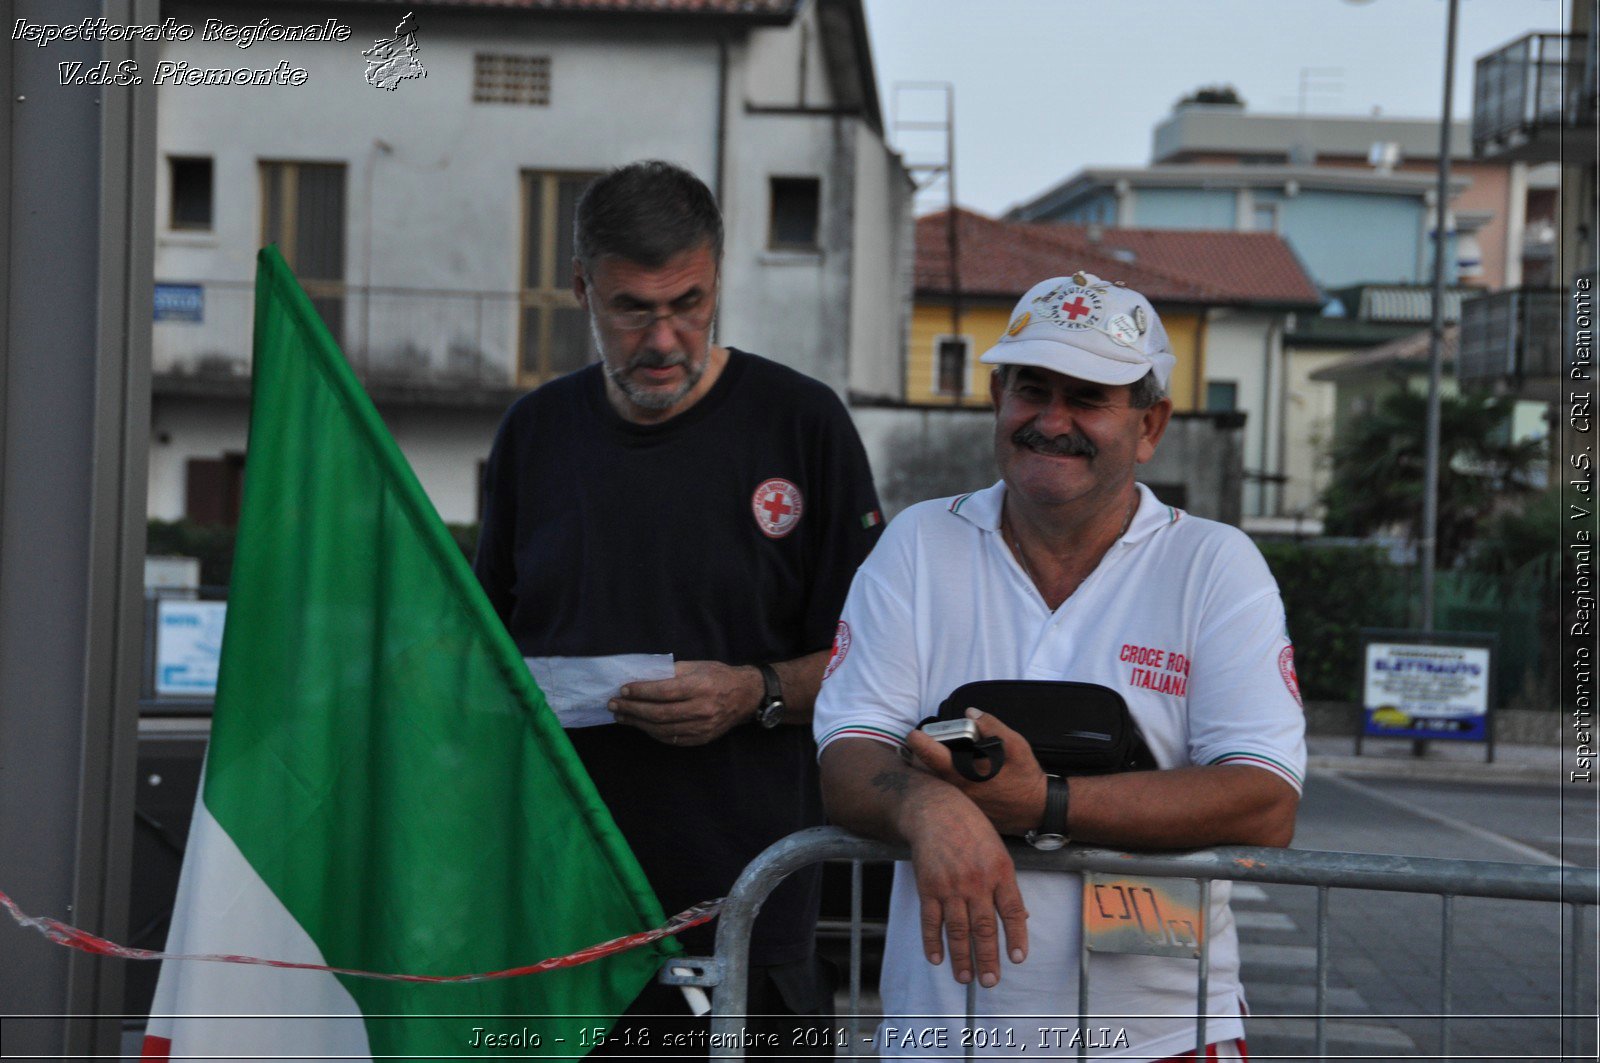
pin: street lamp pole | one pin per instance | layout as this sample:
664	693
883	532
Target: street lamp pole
1430	489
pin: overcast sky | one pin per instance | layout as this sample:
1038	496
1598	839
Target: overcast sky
1044	88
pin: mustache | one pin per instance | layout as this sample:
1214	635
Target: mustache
1071	445
656	360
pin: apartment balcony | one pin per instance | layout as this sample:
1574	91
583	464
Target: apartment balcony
1511	337
1534	100
408	346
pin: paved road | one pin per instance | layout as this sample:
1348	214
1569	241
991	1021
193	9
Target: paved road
1508	958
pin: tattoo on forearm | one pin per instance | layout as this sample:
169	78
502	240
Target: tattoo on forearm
891	782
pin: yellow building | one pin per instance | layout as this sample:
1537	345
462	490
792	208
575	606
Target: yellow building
942	367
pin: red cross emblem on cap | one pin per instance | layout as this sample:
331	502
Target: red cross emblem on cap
1076	309
777	505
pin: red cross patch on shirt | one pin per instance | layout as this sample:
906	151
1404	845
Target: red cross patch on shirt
777	506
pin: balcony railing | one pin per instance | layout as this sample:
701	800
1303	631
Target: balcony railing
1540	82
1510	335
404	337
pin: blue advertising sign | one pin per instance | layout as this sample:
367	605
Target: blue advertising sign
188	646
180	302
1426	690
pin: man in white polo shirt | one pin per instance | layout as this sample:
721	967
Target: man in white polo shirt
1064	570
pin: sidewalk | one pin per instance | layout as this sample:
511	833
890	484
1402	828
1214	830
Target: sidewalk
1463	761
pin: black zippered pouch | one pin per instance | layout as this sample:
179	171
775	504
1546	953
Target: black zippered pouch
1074	728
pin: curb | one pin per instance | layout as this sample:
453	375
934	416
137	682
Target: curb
1439	770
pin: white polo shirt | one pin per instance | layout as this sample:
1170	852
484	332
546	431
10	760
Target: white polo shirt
1182	617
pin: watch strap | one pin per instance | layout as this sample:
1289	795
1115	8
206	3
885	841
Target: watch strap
770	712
769	676
1056	794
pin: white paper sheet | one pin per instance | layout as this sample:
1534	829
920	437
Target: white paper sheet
579	687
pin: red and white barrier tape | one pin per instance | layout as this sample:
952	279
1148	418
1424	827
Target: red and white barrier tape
72	937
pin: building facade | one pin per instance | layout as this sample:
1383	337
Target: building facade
431	222
1500	216
1347	226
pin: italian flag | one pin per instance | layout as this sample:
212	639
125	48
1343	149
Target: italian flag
385	788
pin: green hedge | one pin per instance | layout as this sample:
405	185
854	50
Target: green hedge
211	543
1330	593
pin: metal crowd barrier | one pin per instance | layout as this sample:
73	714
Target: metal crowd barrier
726	972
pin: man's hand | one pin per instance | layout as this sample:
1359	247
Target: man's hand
701	702
965	877
968	887
1014	799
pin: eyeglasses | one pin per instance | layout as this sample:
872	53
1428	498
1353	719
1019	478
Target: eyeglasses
694	319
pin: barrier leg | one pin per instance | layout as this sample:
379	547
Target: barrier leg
1446	932
1321	1049
855	954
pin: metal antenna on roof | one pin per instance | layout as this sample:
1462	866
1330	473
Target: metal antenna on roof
1319	80
927	173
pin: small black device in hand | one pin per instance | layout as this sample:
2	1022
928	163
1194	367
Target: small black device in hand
967	746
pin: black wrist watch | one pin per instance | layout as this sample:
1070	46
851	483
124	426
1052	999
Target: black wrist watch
1052	830
770	712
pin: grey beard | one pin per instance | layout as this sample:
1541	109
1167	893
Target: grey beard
650	398
646	398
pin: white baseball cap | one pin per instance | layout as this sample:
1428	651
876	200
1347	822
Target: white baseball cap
1087	328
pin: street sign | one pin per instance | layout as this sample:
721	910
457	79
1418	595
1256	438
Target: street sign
180	302
1427	685
188	646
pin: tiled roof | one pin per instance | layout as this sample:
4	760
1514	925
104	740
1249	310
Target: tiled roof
1003	259
761	9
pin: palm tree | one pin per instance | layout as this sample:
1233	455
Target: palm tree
1378	470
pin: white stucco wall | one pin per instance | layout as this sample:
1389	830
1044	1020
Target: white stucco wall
443	448
881	280
786	61
181	429
789	305
1308	426
1240	346
432	179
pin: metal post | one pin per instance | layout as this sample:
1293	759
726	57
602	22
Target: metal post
1083	996
1203	1007
1570	1028
1321	1049
970	1050
1441	210
1446	934
855	953
76	253
952	234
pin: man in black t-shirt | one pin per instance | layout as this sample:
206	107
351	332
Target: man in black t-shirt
688	499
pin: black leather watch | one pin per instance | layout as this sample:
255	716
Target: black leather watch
1052	830
770	713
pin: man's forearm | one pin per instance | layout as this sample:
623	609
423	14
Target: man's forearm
964	875
1183	808
801	678
868	789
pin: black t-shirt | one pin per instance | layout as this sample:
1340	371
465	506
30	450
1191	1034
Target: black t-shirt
728	533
